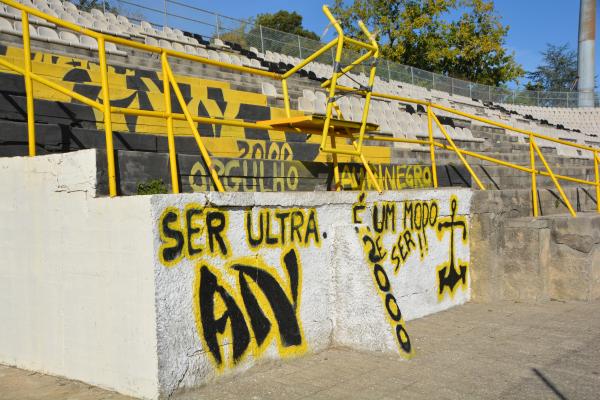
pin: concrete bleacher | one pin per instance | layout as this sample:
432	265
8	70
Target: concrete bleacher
68	57
132	293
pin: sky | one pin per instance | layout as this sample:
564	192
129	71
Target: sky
533	23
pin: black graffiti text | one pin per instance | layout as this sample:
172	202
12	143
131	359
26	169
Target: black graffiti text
280	227
262	309
375	256
453	273
195	231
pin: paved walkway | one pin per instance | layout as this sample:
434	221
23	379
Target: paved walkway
477	351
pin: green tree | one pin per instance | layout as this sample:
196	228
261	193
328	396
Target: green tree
237	35
87	5
272	37
557	71
285	21
421	33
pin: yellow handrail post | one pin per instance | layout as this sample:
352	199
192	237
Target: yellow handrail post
554	180
457	151
431	147
368	170
28	83
597	170
110	151
334	157
336	168
534	195
190	120
334	76
170	135
286	97
372	71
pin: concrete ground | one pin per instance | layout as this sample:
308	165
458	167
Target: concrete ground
477	351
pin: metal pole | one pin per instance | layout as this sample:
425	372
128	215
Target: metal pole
299	47
388	68
28	83
262	42
217	22
412	75
166	12
110	150
585	52
169	114
534	194
431	146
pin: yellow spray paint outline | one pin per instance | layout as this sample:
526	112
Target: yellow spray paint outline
446	265
306	213
253	348
179	225
383	295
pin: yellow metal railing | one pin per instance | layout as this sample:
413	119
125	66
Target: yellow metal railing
169	81
372	51
105	107
533	150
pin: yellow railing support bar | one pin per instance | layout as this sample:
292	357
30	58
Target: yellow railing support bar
554	180
331	96
332	84
52	85
286	97
334	157
534	195
371	83
431	147
28	83
169	116
336	168
188	117
309	59
334	76
597	172
349	67
457	151
110	151
370	173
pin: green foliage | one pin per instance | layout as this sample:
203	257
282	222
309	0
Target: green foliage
87	5
153	186
558	71
285	21
420	33
237	35
276	28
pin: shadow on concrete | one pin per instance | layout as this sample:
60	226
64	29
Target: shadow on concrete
549	383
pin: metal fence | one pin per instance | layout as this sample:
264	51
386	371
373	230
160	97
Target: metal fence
176	14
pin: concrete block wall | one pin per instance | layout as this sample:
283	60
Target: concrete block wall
552	257
150	295
76	288
351	268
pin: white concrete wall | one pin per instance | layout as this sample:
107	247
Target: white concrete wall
107	290
76	281
339	301
361	318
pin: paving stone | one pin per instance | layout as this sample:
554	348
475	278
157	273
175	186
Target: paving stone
478	351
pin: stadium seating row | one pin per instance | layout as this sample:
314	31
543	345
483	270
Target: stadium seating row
401	123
